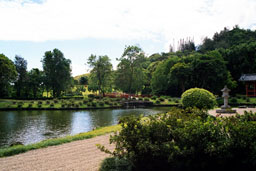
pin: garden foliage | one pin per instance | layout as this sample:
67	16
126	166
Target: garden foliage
185	139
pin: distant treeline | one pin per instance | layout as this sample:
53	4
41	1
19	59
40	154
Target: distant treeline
218	61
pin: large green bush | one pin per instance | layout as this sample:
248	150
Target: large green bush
198	97
186	139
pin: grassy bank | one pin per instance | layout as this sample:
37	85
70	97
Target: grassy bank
50	142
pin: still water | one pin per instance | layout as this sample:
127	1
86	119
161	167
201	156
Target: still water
30	127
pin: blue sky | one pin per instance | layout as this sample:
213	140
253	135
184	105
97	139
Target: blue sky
83	27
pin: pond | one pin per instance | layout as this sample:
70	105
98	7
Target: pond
30	127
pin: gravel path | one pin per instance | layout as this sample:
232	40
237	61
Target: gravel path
238	110
77	155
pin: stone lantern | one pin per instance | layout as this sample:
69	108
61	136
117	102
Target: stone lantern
225	95
225	108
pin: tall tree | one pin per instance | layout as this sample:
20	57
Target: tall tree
130	76
35	82
21	67
208	71
160	83
186	45
181	72
7	75
57	71
101	72
83	80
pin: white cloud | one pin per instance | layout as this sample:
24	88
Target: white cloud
121	19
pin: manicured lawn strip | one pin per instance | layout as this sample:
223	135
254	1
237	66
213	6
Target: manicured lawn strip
57	141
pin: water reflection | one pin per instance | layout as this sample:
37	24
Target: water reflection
33	126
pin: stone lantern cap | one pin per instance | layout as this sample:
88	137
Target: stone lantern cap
225	89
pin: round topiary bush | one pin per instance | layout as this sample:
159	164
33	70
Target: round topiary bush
198	97
146	99
157	102
161	99
153	97
101	103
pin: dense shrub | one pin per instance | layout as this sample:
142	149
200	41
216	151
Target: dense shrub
146	99
153	97
118	99
164	97
98	97
115	164
101	103
94	104
220	101
233	100
85	101
107	102
186	139
157	101
91	95
197	97
161	99
20	104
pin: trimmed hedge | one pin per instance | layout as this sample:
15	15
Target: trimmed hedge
199	98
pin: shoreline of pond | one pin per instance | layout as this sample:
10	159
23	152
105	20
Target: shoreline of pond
89	108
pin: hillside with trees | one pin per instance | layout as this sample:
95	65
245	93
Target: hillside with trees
218	61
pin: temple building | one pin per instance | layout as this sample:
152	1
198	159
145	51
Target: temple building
250	84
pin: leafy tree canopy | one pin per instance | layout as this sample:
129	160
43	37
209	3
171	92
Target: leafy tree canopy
100	77
130	71
21	67
57	71
7	75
